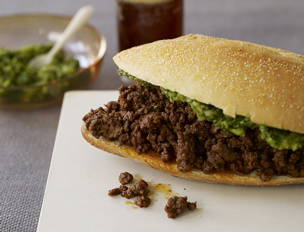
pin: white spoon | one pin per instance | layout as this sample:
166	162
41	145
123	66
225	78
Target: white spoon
82	16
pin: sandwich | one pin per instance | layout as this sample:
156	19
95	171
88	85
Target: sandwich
210	109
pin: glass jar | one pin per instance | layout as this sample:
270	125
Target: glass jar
144	21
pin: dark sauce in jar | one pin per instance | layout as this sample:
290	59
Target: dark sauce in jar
144	21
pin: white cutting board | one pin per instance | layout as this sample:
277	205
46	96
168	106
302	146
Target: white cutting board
80	175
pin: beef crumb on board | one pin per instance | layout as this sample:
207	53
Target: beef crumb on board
143	201
125	178
114	192
140	189
177	205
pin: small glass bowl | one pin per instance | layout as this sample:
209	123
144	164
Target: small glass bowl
87	46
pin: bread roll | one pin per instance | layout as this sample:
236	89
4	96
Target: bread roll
263	83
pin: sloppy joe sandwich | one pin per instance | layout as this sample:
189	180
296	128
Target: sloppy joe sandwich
209	109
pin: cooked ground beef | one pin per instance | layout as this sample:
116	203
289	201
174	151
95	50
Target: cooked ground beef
143	201
145	119
114	192
125	178
127	192
140	188
177	205
191	205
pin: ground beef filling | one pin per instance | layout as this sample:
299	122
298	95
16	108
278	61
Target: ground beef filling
145	119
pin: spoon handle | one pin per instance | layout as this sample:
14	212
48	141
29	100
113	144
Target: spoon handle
82	16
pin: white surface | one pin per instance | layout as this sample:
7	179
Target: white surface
80	175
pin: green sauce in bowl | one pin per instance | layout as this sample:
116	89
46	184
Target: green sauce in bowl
14	69
20	83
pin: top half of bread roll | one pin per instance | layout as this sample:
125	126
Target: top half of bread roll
241	78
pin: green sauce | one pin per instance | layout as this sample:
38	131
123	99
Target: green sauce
277	138
14	69
20	84
282	139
